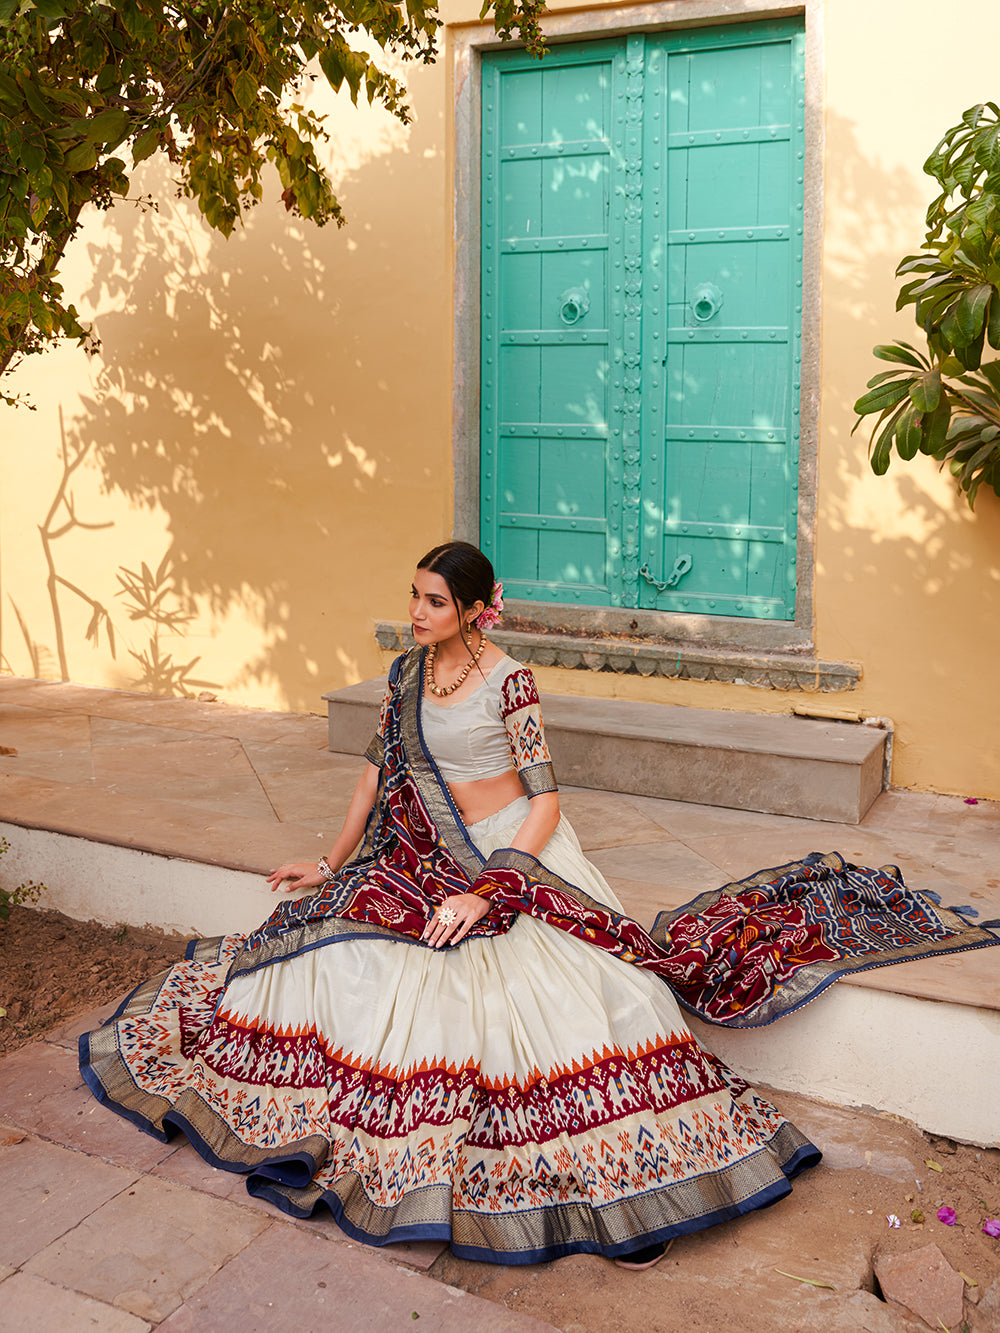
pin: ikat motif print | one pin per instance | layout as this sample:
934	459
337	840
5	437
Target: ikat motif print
521	713
656	1125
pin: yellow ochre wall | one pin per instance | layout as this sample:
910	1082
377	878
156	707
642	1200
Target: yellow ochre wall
273	415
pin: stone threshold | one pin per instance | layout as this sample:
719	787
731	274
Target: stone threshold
764	670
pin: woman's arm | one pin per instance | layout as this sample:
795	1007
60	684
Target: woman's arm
304	874
540	824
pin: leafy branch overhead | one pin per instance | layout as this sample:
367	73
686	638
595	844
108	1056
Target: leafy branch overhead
947	403
89	89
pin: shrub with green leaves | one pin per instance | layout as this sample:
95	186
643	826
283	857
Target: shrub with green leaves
946	403
24	893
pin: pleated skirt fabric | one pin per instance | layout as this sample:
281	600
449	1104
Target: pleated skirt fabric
523	1097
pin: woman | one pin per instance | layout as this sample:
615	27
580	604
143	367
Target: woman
459	1035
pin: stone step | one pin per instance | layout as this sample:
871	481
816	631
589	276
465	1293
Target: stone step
777	764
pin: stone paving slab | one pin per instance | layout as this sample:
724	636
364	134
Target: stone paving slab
35	729
186	1167
207	756
670	864
42	1091
289	1280
149	1249
29	1304
166	828
605	819
68	1035
48	1190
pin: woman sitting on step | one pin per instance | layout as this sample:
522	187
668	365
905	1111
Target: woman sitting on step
458	1034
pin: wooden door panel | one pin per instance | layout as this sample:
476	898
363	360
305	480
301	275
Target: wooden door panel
641	279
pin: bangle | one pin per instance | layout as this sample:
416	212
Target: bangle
323	866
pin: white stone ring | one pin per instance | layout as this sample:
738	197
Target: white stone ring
447	915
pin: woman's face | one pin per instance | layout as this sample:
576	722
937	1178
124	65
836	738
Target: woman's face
433	613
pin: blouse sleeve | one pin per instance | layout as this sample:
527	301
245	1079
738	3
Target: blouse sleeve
521	714
375	754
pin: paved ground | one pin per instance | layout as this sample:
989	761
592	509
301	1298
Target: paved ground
102	1227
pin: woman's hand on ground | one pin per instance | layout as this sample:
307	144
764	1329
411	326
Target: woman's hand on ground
454	918
300	874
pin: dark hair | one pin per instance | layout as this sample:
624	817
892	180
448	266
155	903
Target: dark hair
468	575
467	572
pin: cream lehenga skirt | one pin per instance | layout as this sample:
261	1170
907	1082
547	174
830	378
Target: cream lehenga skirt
524	1096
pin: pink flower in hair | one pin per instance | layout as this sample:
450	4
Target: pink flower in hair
490	615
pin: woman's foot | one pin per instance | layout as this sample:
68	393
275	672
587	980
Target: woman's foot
647	1257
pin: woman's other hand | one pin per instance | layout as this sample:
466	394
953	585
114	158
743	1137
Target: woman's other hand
300	874
455	917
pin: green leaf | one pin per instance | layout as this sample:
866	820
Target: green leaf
881	455
949	328
81	158
972	354
107	126
908	433
993	322
33	157
52	9
977	460
971	310
329	63
245	89
898	352
145	146
9	91
36	102
926	391
990	370
887	395
935	429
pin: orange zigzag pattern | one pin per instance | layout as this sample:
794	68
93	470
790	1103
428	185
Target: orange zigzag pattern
436	1064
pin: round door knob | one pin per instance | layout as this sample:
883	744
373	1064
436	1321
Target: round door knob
707	301
574	304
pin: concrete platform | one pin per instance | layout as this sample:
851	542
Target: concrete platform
168	812
774	764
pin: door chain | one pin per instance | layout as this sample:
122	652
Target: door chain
682	566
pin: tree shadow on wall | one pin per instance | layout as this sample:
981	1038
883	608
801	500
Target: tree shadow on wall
910	528
238	398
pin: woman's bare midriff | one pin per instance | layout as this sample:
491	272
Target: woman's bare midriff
479	800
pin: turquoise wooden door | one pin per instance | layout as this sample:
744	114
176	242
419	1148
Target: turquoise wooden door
642	247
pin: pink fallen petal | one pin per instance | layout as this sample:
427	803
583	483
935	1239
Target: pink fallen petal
971	800
992	1227
947	1216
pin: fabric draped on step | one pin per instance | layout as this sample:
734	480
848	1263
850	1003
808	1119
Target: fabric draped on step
531	1092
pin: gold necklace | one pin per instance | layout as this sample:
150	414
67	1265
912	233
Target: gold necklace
440	691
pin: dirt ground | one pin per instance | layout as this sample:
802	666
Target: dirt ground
53	968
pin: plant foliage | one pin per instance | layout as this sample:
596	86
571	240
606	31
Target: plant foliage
90	88
24	893
947	403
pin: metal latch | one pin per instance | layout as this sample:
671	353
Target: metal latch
682	566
